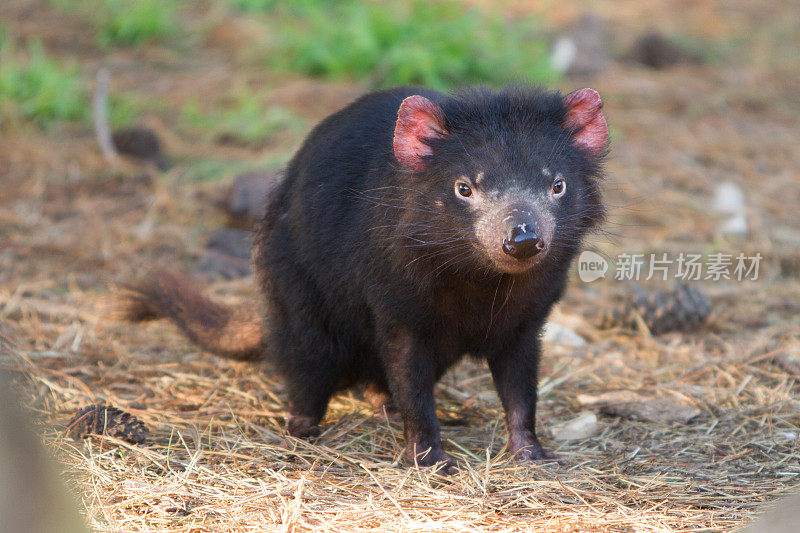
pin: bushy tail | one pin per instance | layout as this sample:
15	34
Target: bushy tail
233	332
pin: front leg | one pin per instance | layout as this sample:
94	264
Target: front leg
515	374
411	376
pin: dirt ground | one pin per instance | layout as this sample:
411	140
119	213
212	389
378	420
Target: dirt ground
72	227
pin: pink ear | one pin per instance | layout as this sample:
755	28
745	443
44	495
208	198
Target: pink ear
417	119
585	118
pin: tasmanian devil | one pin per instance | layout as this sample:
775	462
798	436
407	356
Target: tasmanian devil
412	228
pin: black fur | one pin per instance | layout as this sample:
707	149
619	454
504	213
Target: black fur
370	281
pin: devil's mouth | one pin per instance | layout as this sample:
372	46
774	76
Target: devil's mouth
511	265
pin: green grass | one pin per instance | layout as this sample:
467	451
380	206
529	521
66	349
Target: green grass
438	44
294	6
253	5
212	170
245	120
126	109
126	22
38	88
43	90
134	22
122	111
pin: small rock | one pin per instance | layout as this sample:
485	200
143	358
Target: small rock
656	51
729	201
247	197
563	53
227	266
227	254
582	50
557	334
141	143
654	410
231	241
582	426
736	225
786	435
628	404
487	397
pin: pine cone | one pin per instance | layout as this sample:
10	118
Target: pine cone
683	309
105	420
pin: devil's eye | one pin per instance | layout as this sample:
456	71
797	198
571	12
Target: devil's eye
559	186
463	189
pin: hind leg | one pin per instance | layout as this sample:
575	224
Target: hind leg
311	362
312	377
308	401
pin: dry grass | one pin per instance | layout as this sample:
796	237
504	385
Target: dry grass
218	459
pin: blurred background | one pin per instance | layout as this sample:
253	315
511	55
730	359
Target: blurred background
147	132
699	95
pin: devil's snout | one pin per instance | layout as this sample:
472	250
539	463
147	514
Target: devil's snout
516	237
522	242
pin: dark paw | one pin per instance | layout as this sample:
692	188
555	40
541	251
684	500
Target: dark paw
302	427
446	468
432	457
526	447
534	452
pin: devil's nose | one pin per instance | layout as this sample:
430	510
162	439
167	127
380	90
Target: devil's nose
522	242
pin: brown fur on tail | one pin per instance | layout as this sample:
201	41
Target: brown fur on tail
233	332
